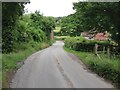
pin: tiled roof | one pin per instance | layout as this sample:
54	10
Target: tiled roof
101	37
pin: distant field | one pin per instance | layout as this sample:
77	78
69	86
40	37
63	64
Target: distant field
60	37
57	29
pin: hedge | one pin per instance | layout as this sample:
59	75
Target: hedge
82	44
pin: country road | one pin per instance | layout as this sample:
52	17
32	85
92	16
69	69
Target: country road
55	68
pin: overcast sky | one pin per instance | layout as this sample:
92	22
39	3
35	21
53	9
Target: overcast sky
52	7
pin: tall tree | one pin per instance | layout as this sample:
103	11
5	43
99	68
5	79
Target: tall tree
97	16
100	16
10	14
47	24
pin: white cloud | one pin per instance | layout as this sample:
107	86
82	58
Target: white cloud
52	7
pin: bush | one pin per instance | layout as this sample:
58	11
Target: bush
84	47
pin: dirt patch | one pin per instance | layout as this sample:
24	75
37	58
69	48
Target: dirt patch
10	75
8	78
19	64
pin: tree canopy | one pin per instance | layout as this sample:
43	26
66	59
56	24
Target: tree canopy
97	16
23	28
10	14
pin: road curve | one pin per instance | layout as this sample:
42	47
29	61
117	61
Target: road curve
55	68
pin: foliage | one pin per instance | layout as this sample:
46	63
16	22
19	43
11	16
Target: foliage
68	26
47	24
10	14
94	17
99	16
82	44
19	28
25	31
106	68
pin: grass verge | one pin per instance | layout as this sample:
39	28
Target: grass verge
106	68
11	62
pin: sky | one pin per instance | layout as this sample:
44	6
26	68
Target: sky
54	8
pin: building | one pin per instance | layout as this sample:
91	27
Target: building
98	36
87	35
101	36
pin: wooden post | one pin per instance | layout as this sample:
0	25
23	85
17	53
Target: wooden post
96	51
52	35
108	51
103	49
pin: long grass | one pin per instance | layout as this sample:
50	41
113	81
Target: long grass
105	67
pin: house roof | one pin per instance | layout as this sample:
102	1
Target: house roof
101	37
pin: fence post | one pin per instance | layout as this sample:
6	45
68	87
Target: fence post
52	35
108	51
96	51
96	47
103	49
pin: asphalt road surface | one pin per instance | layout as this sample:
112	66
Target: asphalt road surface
55	68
